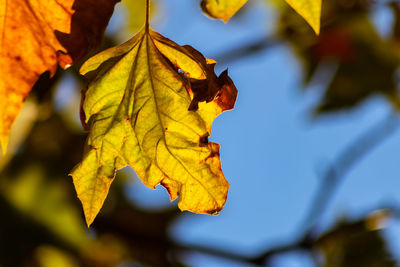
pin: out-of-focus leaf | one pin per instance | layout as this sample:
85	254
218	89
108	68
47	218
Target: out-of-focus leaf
221	9
310	10
144	233
135	14
365	63
106	250
150	104
38	200
35	36
369	66
45	203
23	124
355	244
48	256
395	36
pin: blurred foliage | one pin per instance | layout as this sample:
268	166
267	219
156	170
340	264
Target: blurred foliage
135	16
360	62
44	225
356	244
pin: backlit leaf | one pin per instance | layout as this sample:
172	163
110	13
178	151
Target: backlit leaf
350	60
310	10
150	104
35	35
221	9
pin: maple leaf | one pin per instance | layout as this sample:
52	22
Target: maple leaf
35	35
310	10
150	104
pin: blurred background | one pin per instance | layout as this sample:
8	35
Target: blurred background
311	150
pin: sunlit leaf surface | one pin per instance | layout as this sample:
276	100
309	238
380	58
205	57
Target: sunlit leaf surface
310	10
36	35
150	104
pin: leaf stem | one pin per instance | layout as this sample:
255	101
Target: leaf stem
147	25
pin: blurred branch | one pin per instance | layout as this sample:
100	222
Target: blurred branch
331	178
248	49
350	156
215	252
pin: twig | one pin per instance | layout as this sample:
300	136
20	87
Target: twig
337	171
215	252
335	174
248	49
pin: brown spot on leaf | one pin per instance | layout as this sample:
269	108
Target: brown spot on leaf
214	153
112	176
166	187
214	211
203	140
173	193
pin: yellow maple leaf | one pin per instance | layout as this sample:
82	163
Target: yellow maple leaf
150	104
36	35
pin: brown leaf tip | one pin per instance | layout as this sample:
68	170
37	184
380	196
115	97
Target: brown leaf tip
227	94
220	89
213	211
173	194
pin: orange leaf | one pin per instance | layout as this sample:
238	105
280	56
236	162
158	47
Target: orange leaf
36	35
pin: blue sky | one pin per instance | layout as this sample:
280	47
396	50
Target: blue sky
272	151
